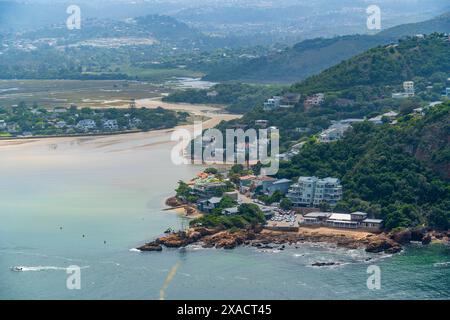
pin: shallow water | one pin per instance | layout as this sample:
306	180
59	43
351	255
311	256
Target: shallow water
89	201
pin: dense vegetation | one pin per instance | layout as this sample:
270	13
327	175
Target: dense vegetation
34	120
362	87
312	56
385	65
249	215
238	97
399	173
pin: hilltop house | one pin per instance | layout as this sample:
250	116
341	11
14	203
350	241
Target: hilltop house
311	191
314	100
272	103
390	116
408	91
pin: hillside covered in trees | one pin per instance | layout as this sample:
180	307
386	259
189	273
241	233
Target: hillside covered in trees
399	173
312	56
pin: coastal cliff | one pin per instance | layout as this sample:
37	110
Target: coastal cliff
261	238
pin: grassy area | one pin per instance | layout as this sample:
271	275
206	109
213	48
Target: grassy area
148	74
87	93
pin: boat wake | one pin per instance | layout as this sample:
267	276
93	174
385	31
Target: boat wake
442	264
39	268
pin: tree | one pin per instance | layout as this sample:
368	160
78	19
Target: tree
286	204
211	170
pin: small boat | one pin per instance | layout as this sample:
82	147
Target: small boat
17	269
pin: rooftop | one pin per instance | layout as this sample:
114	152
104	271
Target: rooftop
341	217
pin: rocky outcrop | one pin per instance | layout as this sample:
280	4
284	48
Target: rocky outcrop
402	236
174	202
264	239
151	247
382	243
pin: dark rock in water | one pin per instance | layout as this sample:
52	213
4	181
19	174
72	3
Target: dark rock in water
418	234
380	244
324	264
152	246
426	240
402	237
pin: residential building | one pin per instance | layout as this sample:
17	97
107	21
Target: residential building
209	204
209	189
355	220
408	87
333	133
246	183
281	185
110	125
272	103
327	190
290	100
60	124
311	191
408	91
390	116
87	124
314	100
261	123
230	211
59	110
315	218
232	194
302	192
2	125
447	92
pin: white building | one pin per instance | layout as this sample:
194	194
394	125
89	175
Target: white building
408	91
333	133
272	103
311	191
2	124
408	87
86	124
110	125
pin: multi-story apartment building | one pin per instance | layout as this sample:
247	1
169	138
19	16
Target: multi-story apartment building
311	191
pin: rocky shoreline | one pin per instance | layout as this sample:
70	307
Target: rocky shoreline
264	239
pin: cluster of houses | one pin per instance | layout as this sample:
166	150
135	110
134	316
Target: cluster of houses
65	121
307	194
338	128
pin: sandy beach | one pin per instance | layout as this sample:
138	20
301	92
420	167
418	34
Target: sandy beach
213	115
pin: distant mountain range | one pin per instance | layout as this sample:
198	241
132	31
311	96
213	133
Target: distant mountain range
312	56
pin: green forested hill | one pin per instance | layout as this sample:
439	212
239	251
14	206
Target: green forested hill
312	56
385	65
384	170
